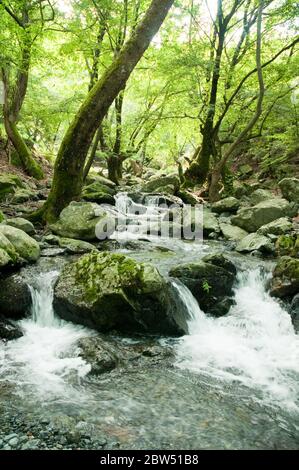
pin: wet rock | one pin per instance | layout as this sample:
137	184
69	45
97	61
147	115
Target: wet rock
75	246
210	223
290	189
84	221
255	242
229	204
232	232
252	218
22	224
111	291
9	330
210	281
103	356
52	252
15	297
294	310
277	227
26	247
285	281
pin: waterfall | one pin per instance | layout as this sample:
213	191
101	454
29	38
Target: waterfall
46	355
42	300
254	344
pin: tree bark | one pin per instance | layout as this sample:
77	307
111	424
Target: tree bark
13	101
216	173
69	165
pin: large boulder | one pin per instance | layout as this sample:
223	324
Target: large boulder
285	280
109	291
277	227
16	247
9	183
252	218
228	204
255	242
162	184
15	297
210	280
84	221
232	232
22	224
290	189
100	193
260	195
75	246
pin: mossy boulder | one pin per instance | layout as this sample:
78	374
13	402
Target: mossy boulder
252	218
22	224
210	280
255	242
228	204
23	195
260	195
288	244
162	184
25	247
277	227
9	183
232	232
100	193
285	281
290	189
109	291
84	221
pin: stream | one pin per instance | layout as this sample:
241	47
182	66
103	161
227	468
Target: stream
232	384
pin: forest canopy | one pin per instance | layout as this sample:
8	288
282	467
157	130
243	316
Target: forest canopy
206	94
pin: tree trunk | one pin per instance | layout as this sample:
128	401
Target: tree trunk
13	101
216	173
69	165
28	163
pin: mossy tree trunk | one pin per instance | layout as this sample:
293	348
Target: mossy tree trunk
69	165
13	100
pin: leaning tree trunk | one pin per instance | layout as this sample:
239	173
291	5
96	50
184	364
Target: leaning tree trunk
13	101
219	167
69	165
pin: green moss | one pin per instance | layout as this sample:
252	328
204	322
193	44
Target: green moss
288	245
287	267
106	273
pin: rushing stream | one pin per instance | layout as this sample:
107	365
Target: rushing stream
233	382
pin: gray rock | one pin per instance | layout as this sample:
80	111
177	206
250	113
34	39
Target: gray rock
290	189
277	227
232	232
25	246
260	195
84	221
252	218
229	204
253	242
75	246
22	224
8	330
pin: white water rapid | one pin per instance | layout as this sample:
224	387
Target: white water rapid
254	344
44	357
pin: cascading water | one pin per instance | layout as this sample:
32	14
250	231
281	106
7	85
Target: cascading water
44	356
254	344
